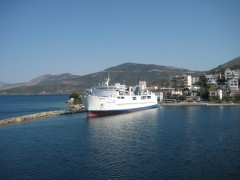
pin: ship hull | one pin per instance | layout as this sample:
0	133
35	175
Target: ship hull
105	106
115	112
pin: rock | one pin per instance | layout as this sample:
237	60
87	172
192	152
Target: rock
28	117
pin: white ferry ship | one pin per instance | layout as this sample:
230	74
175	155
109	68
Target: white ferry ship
105	100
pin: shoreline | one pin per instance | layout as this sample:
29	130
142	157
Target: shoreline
18	119
198	104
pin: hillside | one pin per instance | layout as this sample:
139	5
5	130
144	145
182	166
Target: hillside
48	79
4	86
232	64
127	73
130	73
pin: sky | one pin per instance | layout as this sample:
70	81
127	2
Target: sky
80	37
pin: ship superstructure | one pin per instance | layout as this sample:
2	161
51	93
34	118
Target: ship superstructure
107	100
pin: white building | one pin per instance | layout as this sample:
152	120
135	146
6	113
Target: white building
231	74
224	89
212	79
215	93
189	81
233	84
195	80
177	93
195	88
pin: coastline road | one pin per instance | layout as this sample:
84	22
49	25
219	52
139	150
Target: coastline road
198	104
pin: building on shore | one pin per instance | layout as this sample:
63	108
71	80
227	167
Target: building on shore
215	92
157	92
180	81
233	84
212	79
166	92
195	80
217	86
231	74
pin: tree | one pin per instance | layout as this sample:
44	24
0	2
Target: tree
203	82
203	92
182	97
77	97
215	99
237	98
226	97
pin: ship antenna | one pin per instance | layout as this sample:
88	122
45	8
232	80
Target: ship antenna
139	88
107	81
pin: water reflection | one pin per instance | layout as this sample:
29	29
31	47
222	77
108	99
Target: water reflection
162	143
119	143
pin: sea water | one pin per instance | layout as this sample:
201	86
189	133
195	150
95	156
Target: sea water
162	143
18	105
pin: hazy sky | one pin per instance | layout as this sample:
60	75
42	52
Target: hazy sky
40	37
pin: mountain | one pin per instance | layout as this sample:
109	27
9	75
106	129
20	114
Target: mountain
127	73
130	73
3	84
8	86
63	83
232	64
47	79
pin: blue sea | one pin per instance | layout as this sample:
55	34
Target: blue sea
163	143
18	105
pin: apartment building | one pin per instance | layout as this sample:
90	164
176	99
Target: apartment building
231	74
212	79
233	84
180	81
195	80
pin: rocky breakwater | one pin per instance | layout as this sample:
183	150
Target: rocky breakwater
28	117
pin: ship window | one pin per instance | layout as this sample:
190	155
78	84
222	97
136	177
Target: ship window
143	97
134	98
118	97
122	97
149	97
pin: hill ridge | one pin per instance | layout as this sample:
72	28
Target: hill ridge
127	73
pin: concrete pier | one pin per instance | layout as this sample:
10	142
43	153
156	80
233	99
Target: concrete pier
28	117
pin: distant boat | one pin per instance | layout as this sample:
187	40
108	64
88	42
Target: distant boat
108	100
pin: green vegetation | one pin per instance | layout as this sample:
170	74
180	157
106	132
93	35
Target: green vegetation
215	99
127	73
182	98
204	90
77	97
226	97
179	97
236	98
